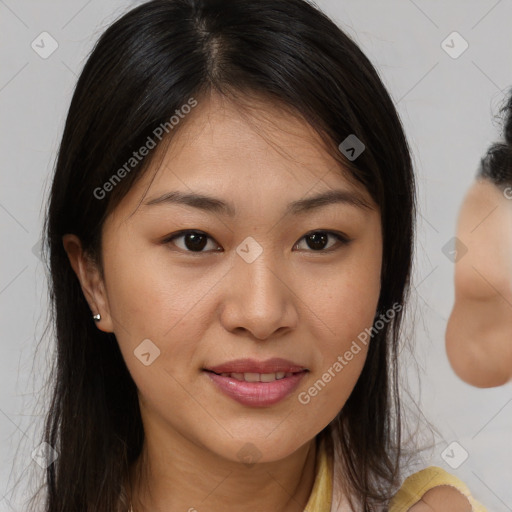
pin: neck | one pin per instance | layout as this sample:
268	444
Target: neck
187	477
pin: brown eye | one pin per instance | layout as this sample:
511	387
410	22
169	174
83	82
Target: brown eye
193	241
317	240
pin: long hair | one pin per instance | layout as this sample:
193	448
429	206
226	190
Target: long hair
143	68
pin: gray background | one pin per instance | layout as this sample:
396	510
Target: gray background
448	106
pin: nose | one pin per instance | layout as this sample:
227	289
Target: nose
259	297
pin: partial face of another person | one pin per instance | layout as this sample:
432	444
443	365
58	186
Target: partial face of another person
479	330
242	276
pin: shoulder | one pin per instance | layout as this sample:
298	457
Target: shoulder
442	498
433	489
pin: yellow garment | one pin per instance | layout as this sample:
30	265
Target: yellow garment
419	483
320	498
413	488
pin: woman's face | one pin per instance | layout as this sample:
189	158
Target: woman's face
252	286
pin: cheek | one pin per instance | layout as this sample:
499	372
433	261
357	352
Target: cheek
149	294
349	305
344	299
345	306
327	392
149	299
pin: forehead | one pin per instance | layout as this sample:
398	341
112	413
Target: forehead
245	151
221	130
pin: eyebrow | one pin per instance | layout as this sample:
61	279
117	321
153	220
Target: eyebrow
301	206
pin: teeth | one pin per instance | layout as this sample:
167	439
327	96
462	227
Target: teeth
257	377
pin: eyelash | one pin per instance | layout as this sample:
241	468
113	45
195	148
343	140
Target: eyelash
344	240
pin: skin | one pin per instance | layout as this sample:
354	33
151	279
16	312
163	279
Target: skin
203	309
479	330
440	499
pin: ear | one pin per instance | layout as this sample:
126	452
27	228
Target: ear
92	285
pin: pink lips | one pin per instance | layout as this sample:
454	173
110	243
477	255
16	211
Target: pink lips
257	394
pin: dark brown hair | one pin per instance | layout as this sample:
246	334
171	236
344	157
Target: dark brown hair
144	67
